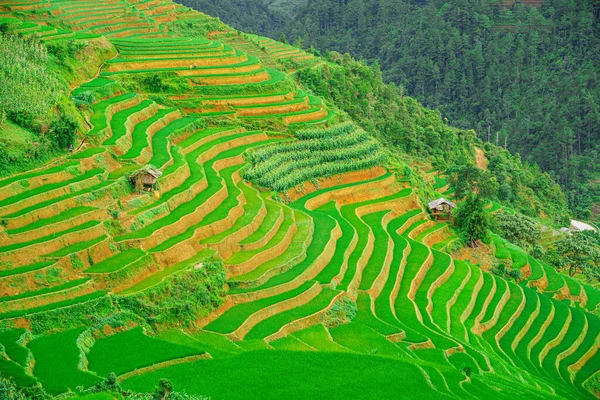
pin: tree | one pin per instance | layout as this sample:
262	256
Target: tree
62	131
464	179
576	253
518	229
282	38
162	391
472	220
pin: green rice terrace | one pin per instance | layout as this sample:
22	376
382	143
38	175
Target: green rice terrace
220	226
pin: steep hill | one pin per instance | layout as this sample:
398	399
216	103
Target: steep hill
284	250
509	72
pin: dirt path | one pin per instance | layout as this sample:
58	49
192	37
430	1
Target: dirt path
164	364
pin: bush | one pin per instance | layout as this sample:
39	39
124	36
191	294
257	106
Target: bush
62	131
518	229
181	298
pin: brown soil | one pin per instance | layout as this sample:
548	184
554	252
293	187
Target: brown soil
438	283
322	113
480	160
230	80
275	309
452	300
272	110
557	340
175	63
483	254
526	327
302	323
339	194
265	256
155	367
487	325
310	273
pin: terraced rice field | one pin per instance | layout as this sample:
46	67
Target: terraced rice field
335	273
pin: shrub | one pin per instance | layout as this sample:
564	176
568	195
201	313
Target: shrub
518	229
181	298
342	312
62	131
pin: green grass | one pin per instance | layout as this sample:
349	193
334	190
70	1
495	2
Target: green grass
126	351
53	306
243	256
74	248
46	188
290	343
196	173
12	370
251	209
292	255
274	323
221	211
335	265
53	236
291	375
45	171
160	140
318	338
92	151
139	136
159	276
63	216
57	200
274	212
56	359
14	351
323	226
52	289
382	303
235	316
362	339
380	247
26	268
118	121
98	118
116	262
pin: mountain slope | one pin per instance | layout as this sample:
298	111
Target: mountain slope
283	234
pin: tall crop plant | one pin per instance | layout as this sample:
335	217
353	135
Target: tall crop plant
27	88
318	153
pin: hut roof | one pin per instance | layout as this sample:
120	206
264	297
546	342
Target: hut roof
150	170
441	201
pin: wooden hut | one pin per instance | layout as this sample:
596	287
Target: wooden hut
441	208
145	179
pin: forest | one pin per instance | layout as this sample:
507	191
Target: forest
523	77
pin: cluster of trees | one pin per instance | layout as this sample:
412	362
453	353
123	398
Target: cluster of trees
524	78
577	254
402	123
246	15
32	97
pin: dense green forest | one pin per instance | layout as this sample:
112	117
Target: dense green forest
524	78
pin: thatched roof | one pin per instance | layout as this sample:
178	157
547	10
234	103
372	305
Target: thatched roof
439	203
148	169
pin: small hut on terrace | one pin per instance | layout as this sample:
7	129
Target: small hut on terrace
145	179
441	208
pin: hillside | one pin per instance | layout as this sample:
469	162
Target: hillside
248	220
506	71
